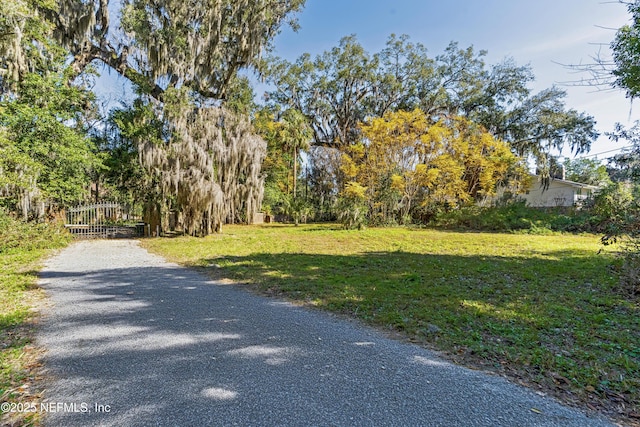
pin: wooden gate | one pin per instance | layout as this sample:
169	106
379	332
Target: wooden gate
103	221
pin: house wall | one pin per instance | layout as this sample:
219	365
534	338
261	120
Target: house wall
558	194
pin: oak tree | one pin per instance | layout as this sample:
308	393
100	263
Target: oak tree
183	59
346	85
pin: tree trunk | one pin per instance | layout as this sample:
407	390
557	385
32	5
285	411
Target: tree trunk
295	171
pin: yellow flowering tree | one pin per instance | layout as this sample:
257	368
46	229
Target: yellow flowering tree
420	163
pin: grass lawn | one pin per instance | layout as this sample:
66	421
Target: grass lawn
540	309
22	247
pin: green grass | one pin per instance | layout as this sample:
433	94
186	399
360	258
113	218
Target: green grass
542	309
22	247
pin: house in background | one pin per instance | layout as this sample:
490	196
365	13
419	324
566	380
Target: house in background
559	193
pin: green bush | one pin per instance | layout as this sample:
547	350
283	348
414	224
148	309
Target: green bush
21	235
620	211
514	216
298	209
630	270
606	214
352	213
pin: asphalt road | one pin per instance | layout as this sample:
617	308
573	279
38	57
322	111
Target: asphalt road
133	340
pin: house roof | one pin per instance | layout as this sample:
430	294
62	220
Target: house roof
570	183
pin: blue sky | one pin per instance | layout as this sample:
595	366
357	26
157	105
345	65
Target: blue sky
542	33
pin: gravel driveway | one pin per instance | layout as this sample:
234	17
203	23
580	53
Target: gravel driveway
133	340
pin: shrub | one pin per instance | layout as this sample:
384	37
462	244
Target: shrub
351	207
630	270
514	216
298	209
351	213
16	234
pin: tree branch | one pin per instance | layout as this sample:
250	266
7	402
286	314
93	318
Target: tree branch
118	62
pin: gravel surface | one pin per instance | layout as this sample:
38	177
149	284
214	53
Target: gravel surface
133	340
